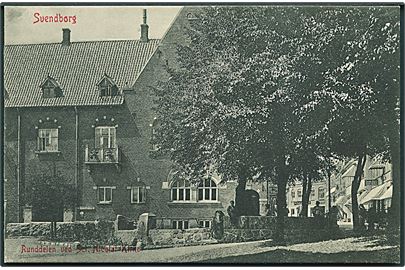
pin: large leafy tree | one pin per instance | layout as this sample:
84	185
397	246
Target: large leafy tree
258	87
366	80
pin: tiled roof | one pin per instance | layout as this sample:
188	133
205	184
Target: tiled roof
77	68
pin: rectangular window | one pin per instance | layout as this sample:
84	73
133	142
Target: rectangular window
138	194
321	193
293	194
299	193
105	194
204	223
105	137
48	140
180	224
312	193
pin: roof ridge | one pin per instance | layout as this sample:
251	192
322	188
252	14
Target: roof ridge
84	41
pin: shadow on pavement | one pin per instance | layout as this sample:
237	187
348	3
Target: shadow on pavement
386	256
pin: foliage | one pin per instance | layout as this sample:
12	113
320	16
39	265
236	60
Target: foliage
276	92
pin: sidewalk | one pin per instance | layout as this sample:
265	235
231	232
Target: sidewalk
360	250
176	254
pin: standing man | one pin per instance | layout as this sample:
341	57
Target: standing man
232	214
318	214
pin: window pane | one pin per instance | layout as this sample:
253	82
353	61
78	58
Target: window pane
108	194
207	182
54	133
141	194
174	194
100	194
112	137
181	194
200	194
134	195
174	224
188	191
207	194
214	194
185	224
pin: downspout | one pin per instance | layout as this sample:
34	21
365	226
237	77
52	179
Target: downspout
77	162
19	163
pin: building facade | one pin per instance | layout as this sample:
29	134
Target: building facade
294	197
81	115
375	188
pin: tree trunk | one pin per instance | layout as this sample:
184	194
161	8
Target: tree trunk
240	204
282	175
355	188
329	195
306	192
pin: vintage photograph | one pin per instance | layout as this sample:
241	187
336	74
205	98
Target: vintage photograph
202	134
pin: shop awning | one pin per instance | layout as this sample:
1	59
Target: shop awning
387	194
376	193
341	200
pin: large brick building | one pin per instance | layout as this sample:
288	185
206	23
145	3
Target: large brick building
83	111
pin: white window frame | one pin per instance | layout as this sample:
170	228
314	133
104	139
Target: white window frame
202	223
180	189
112	137
138	190
180	224
105	188
52	137
213	187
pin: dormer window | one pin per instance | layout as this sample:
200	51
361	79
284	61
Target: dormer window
51	88
107	87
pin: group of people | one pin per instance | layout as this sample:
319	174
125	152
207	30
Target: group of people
371	219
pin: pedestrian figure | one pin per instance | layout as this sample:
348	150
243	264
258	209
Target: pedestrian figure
217	230
362	217
318	214
232	214
371	218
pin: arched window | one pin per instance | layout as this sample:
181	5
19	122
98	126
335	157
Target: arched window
181	190
207	190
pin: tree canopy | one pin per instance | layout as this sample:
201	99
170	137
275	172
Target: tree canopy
269	92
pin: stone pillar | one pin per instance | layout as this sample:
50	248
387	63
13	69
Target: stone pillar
67	215
148	221
27	214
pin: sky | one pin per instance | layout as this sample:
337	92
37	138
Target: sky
92	23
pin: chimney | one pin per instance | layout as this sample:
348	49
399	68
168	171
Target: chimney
66	37
144	28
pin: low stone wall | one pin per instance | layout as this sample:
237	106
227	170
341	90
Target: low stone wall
66	231
164	237
243	235
106	232
128	237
